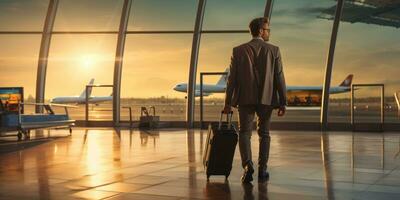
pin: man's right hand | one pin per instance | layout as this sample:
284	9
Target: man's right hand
227	109
281	111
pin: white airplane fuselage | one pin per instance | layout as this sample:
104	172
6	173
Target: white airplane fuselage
81	100
221	88
207	88
296	95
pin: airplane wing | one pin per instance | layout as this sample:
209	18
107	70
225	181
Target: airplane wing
378	12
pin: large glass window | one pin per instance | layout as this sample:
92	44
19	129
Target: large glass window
153	66
88	15
368	47
18	64
76	59
303	37
215	56
232	15
302	33
22	15
216	49
161	15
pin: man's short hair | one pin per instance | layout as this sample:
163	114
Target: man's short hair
257	24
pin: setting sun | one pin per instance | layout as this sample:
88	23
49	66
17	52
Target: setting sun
88	61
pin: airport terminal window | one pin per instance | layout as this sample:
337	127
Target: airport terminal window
76	59
88	15
23	15
303	35
367	47
161	15
232	15
215	56
18	63
153	66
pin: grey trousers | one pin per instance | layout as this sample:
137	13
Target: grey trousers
246	118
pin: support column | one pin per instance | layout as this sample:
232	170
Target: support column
329	66
190	106
119	55
44	54
268	9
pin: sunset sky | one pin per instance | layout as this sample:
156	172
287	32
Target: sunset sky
154	64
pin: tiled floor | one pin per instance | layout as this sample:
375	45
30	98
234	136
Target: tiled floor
107	164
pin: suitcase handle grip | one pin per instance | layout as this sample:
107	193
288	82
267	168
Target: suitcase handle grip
228	119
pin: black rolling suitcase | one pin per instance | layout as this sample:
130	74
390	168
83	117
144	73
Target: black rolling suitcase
220	147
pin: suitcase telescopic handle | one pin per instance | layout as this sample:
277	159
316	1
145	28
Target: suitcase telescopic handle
228	119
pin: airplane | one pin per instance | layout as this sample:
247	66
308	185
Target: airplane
208	89
297	95
312	95
82	98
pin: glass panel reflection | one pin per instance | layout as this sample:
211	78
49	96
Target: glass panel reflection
368	47
153	66
215	56
147	15
232	15
88	15
76	60
18	64
23	15
303	37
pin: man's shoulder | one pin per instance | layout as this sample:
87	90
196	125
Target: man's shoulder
270	46
265	44
236	48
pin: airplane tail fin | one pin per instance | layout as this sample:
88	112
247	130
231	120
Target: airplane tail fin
223	79
347	82
83	94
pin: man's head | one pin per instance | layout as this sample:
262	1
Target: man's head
259	27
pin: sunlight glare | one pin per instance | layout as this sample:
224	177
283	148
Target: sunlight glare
88	61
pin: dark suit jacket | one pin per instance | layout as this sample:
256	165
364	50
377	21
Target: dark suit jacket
256	75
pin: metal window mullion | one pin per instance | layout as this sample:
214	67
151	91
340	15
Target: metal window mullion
20	32
329	66
352	107
382	105
268	9
193	64
44	54
118	61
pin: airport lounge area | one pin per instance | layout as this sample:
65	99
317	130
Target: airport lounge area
136	99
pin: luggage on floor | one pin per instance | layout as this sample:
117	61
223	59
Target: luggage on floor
148	120
220	147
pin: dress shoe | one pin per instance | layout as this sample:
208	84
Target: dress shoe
263	175
248	174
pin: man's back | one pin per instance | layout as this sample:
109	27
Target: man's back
256	75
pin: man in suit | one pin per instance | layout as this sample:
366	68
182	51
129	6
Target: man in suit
256	85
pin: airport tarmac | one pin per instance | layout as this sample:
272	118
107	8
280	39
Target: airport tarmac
177	112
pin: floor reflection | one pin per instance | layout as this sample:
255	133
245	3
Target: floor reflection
167	164
145	135
248	191
326	166
217	190
42	175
